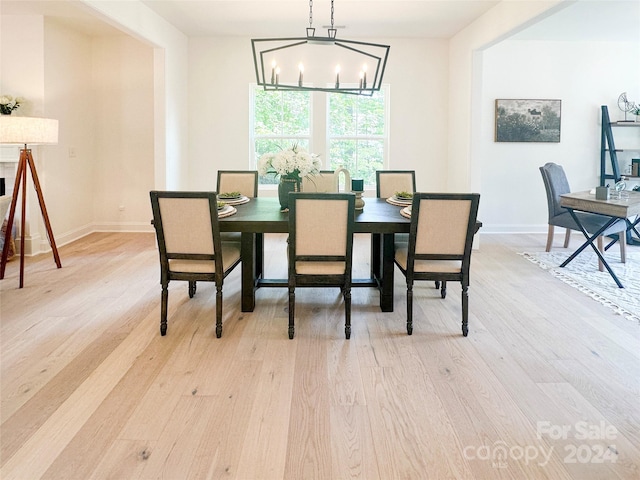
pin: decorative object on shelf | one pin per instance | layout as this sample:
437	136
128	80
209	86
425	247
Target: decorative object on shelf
357	187
636	112
523	120
8	104
302	63
626	106
292	164
23	131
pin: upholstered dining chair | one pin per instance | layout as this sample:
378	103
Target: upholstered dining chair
321	246
388	182
556	184
440	244
190	245
245	182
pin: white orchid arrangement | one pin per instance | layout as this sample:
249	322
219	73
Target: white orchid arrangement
8	104
294	162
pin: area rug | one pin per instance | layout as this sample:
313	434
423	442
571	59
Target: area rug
582	273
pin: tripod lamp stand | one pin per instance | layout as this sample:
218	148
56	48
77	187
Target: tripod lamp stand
27	131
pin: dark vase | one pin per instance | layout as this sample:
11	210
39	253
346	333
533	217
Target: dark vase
286	185
4	110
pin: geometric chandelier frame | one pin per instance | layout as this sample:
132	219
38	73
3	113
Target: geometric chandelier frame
324	64
264	49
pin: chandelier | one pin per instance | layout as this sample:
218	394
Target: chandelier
321	64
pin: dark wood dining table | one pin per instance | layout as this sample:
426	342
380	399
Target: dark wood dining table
262	215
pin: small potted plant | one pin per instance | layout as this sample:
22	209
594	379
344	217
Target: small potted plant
8	104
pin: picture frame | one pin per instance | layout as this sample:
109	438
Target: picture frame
528	120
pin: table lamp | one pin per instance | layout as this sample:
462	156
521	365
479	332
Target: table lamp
27	131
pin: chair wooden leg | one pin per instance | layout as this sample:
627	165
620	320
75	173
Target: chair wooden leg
192	289
292	308
218	311
164	300
600	243
549	238
347	313
567	237
409	309
465	310
443	290
622	240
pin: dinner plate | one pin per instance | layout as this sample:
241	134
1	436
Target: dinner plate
226	211
237	201
406	212
222	196
402	200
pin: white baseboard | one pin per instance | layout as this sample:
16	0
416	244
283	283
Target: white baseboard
36	244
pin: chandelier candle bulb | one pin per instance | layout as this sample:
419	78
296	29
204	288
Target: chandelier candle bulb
364	76
338	76
301	68
273	72
277	75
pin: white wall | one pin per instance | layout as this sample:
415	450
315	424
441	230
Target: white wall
123	151
221	70
69	170
584	75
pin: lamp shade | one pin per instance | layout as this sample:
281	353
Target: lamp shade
28	130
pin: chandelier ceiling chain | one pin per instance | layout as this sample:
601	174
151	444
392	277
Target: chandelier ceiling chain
332	31
320	62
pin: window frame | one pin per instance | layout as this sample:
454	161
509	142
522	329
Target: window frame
319	137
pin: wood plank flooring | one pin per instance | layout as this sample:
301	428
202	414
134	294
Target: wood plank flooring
546	385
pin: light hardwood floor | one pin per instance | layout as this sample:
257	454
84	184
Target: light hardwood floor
90	390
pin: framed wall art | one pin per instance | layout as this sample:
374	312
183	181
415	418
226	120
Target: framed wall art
523	120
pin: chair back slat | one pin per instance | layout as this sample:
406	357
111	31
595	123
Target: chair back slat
389	182
321	226
243	181
556	184
324	182
186	224
442	226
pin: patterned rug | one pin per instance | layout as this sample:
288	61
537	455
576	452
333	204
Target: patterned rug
582	273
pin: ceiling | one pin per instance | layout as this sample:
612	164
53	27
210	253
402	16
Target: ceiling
353	18
607	20
257	18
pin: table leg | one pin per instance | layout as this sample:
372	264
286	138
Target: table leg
386	285
259	266
590	242
249	268
376	255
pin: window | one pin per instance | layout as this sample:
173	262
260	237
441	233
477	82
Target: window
348	131
280	119
357	134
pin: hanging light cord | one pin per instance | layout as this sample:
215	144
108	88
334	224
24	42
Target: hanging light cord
310	13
